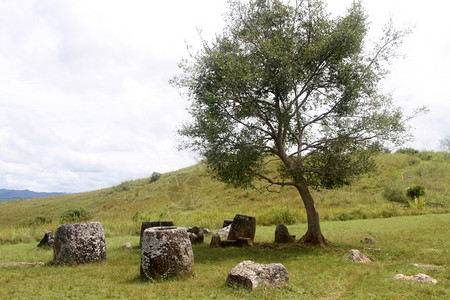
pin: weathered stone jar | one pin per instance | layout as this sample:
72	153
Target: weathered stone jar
166	252
79	243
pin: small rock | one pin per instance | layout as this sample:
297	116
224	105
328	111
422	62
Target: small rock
418	278
251	275
429	267
127	245
215	241
196	235
282	235
223	232
357	256
47	240
369	240
206	231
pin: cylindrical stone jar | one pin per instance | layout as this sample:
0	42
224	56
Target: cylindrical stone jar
166	252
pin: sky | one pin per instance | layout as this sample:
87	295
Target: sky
85	99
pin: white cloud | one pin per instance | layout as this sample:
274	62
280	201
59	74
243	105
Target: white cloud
85	101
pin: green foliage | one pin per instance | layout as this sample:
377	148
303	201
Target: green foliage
286	81
75	215
415	192
155	176
395	194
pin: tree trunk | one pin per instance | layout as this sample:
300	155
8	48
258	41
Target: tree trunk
313	235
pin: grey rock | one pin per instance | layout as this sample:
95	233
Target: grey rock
79	243
206	231
357	256
196	235
223	232
127	245
251	275
47	240
282	235
418	278
166	252
369	240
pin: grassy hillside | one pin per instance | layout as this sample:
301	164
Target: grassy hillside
190	197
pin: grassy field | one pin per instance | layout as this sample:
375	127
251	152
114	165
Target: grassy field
315	273
190	197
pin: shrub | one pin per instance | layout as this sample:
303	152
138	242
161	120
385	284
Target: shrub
395	194
75	215
124	186
155	177
415	192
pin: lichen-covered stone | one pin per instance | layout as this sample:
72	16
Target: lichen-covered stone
251	275
357	256
79	243
242	226
166	252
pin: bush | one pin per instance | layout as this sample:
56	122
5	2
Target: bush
415	192
124	186
75	215
155	177
395	194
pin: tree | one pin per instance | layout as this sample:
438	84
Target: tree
445	144
288	96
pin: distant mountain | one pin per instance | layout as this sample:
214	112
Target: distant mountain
6	195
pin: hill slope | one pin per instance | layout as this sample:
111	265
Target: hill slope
190	197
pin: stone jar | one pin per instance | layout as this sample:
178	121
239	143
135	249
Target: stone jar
79	243
166	252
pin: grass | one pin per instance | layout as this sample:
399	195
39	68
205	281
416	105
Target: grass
315	273
190	197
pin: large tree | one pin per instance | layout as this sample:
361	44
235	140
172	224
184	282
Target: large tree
289	96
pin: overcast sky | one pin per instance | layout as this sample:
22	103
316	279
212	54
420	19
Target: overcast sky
85	101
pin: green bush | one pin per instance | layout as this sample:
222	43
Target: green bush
155	177
395	194
75	215
124	186
415	192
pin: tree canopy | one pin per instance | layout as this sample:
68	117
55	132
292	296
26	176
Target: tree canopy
285	84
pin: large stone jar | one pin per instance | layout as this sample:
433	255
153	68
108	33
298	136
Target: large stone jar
166	252
79	243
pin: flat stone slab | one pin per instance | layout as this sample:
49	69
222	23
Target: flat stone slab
429	267
418	278
251	275
79	243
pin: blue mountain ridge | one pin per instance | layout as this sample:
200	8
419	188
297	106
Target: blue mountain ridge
6	195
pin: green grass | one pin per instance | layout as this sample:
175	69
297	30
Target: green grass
315	273
190	197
